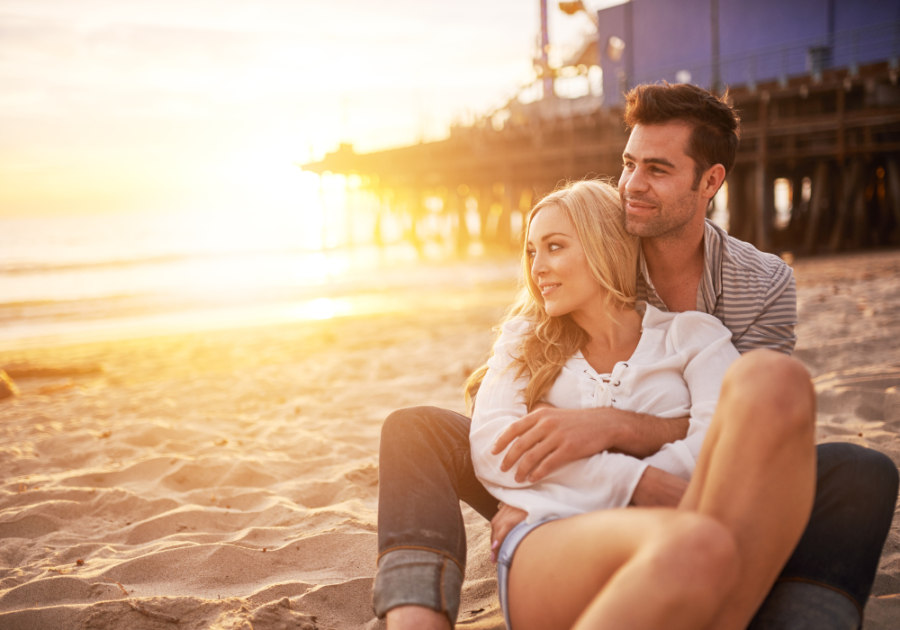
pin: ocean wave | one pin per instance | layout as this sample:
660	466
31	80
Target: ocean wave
32	267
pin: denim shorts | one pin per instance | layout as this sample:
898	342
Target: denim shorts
504	561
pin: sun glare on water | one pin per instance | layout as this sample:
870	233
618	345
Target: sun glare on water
322	308
151	173
263	182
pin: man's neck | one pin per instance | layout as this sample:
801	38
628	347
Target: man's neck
675	265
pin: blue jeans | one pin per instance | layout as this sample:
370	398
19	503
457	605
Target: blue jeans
425	469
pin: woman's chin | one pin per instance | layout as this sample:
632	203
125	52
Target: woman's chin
555	310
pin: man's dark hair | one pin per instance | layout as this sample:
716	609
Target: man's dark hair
715	124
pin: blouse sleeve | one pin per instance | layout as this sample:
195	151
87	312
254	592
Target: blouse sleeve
605	480
707	351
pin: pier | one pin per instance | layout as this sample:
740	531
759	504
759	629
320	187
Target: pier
818	168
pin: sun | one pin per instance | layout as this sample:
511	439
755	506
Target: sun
263	181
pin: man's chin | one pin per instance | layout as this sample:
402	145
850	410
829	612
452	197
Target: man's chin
641	228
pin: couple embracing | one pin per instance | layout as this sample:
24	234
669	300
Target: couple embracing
645	365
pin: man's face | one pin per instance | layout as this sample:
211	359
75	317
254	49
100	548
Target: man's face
657	177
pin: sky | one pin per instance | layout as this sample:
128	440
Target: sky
147	105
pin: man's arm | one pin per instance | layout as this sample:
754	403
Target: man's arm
548	437
574	434
773	327
657	488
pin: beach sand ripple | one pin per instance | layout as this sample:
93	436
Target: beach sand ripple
229	479
226	480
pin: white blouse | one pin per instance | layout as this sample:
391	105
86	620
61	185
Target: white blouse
675	371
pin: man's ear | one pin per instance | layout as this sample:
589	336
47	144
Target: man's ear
711	181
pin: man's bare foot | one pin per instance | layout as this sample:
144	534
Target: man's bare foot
416	618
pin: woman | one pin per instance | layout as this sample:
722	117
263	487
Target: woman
576	338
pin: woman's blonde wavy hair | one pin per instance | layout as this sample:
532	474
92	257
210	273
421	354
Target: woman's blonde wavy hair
594	209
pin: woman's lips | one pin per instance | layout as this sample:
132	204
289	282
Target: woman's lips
548	288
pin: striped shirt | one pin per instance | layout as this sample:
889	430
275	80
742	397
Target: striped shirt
752	293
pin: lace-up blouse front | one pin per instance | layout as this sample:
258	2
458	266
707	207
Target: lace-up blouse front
675	371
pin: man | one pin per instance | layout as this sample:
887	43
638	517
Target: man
683	143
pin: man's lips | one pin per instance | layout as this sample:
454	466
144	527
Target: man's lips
636	205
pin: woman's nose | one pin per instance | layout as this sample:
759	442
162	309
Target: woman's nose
538	264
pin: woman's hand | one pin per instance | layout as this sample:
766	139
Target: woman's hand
502	523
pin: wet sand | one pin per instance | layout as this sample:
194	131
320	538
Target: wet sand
228	479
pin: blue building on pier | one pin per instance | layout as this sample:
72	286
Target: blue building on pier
714	43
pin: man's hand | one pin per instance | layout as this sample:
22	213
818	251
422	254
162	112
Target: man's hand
657	488
502	523
548	438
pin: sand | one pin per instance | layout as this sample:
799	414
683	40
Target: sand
228	479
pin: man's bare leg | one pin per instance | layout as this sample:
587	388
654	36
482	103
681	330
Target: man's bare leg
416	618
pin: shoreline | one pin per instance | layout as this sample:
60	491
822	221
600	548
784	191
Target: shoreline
276	312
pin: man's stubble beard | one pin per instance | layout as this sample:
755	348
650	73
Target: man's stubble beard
669	221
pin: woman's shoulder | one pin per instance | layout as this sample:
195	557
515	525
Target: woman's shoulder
511	333
517	326
687	325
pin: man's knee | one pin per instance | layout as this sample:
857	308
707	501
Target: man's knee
803	606
431	424
863	463
771	385
859	478
856	494
403	422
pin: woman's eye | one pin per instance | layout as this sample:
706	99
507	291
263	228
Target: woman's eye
530	253
554	246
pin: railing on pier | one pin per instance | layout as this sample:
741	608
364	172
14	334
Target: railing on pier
812	56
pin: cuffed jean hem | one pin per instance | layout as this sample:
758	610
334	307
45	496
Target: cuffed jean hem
417	577
798	605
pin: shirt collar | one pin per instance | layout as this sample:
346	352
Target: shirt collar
710	287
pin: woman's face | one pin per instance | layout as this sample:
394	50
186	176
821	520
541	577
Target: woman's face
559	266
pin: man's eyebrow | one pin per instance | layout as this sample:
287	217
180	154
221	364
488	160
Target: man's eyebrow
650	160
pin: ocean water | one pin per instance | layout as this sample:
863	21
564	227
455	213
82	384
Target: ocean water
103	276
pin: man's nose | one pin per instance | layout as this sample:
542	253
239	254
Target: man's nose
636	180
